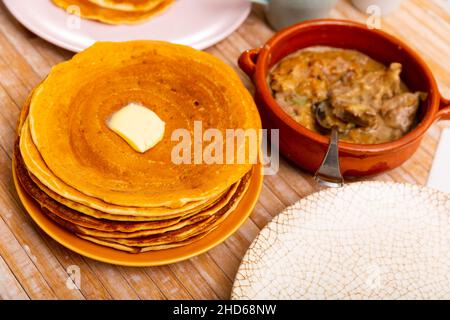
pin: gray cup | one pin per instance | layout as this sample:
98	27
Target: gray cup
283	13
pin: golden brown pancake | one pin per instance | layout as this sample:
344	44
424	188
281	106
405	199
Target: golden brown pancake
90	182
69	110
128	5
89	10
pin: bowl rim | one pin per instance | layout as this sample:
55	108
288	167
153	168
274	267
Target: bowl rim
264	91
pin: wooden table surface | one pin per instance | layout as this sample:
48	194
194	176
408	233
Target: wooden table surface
33	266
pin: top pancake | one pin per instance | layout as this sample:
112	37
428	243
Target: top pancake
128	5
68	115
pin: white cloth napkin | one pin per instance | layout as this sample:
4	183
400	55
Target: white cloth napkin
439	177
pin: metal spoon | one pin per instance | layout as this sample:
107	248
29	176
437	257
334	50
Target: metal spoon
329	172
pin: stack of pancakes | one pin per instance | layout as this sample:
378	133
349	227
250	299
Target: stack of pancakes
115	11
90	181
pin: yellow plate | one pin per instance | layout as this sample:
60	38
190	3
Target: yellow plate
153	258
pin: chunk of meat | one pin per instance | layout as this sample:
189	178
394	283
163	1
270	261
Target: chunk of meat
399	111
359	114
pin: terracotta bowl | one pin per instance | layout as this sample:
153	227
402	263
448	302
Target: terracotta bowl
307	148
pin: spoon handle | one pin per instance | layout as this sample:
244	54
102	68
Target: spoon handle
329	173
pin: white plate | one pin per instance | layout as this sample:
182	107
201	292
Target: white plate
366	241
197	23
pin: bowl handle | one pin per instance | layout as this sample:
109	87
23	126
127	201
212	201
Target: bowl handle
247	61
444	110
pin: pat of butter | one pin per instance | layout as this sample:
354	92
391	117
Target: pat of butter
140	127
